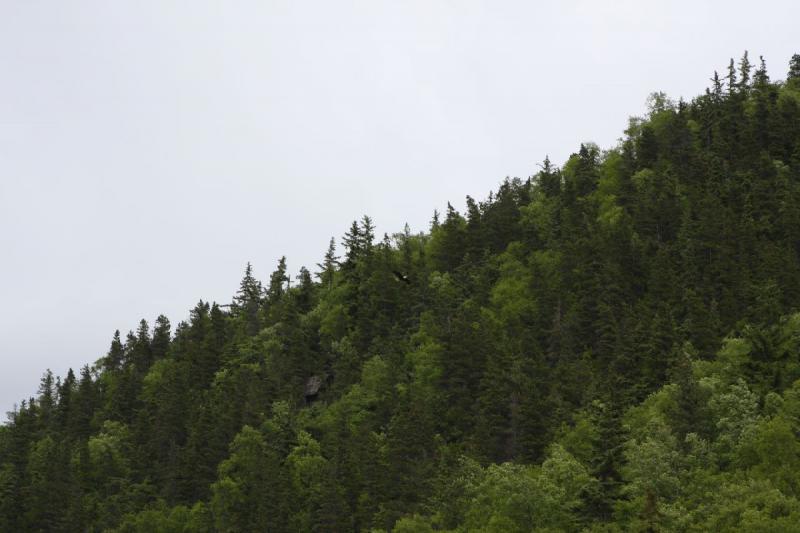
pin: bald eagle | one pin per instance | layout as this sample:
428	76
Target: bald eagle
399	276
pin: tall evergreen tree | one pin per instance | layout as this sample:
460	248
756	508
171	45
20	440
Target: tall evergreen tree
610	345
115	356
247	302
159	345
327	269
794	69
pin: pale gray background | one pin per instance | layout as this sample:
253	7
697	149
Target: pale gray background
149	149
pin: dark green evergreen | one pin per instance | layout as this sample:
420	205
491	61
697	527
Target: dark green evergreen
609	345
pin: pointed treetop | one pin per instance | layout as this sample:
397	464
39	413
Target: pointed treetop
794	68
548	178
744	70
304	277
116	353
546	165
277	280
761	79
249	288
352	239
161	337
162	325
47	389
732	84
143	332
717	87
367	232
305	290
435	220
358	242
451	212
327	268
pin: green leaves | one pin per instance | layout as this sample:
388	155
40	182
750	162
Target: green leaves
250	492
597	347
511	497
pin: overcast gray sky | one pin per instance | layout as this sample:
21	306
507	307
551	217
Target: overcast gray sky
149	149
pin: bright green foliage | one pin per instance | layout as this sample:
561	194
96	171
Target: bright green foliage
161	519
511	497
246	495
610	345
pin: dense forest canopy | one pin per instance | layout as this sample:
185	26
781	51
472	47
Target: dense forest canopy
609	345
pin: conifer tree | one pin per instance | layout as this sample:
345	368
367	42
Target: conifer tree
84	403
794	69
46	398
305	291
744	72
327	269
161	338
731	77
353	245
247	302
367	234
549	179
140	354
277	283
115	356
65	405
621	333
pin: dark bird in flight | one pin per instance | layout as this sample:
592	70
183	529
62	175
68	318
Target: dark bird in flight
401	277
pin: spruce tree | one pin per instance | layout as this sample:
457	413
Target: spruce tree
277	283
115	356
161	338
620	332
247	302
793	76
744	72
327	269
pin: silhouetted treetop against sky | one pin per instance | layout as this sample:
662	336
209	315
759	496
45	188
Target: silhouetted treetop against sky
608	345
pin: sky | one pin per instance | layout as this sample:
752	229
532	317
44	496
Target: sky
150	149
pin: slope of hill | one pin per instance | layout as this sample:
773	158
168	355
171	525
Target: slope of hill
608	345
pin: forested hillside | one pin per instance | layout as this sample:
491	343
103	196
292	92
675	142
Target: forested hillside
609	345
